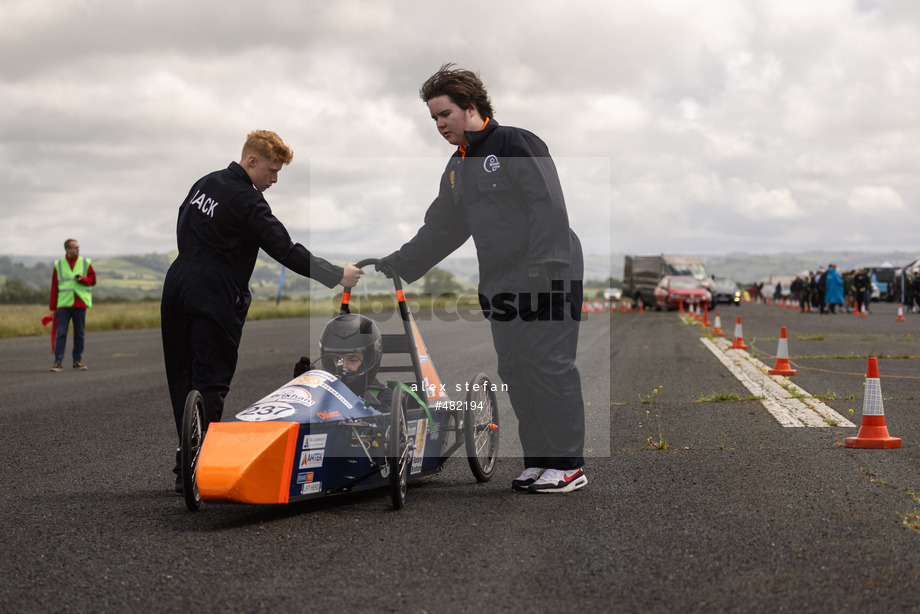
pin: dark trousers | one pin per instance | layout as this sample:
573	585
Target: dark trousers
537	361
200	349
66	315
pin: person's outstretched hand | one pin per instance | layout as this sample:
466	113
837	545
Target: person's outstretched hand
384	266
351	276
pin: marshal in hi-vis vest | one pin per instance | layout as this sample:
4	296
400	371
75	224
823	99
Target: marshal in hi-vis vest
68	286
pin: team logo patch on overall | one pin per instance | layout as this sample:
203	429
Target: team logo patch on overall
491	164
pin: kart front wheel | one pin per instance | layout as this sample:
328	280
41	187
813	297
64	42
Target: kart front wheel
480	427
399	448
194	426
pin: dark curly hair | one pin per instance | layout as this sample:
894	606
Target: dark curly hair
463	87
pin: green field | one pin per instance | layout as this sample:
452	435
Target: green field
25	320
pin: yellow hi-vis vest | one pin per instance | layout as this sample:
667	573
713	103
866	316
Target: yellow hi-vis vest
68	286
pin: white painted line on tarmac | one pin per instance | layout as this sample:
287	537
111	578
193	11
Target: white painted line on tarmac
779	394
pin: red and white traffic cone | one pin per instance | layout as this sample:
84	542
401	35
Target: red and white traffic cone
738	342
900	314
717	329
782	366
873	433
863	312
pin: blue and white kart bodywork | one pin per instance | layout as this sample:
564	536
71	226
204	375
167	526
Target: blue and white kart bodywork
323	440
313	436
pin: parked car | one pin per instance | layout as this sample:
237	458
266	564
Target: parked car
642	273
725	291
613	294
674	290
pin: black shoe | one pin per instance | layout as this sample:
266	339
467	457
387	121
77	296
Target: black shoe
178	471
528	477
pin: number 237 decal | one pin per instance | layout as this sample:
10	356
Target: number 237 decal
266	411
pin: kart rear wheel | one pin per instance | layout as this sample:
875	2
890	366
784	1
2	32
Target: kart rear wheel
399	455
194	427
480	427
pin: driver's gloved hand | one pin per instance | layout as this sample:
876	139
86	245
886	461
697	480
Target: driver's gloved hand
302	366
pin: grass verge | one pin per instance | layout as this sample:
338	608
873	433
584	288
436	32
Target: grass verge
26	320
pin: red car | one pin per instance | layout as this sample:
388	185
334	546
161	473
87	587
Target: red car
673	290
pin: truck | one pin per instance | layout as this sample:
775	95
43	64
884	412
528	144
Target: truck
642	273
884	278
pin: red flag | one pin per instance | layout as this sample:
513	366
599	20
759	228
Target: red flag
51	317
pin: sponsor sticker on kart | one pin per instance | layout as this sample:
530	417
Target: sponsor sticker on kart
310	459
311	488
290	394
420	432
263	412
303	478
314	378
314	442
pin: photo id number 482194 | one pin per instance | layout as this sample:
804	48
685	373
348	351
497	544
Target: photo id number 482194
458	405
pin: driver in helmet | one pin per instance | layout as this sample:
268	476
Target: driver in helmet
351	348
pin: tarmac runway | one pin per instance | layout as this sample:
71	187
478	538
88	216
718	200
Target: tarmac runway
738	513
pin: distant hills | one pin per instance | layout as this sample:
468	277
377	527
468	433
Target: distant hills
751	268
141	276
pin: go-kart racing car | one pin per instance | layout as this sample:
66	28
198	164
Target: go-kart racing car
314	437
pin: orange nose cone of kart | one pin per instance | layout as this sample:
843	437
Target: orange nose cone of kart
247	462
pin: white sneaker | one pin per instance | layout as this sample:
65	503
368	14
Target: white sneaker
528	477
558	480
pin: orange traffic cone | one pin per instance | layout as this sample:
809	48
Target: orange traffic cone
706	315
900	314
782	366
717	329
863	313
738	342
680	307
873	433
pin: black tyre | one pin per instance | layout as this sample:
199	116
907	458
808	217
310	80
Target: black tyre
194	427
480	427
399	448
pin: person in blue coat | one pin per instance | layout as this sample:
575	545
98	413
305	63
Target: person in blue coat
834	294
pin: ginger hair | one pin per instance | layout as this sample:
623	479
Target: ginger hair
267	145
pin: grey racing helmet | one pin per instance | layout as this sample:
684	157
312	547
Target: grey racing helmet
351	348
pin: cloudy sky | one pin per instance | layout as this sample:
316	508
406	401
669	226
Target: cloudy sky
710	127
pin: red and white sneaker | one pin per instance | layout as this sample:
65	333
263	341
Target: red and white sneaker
558	480
528	477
